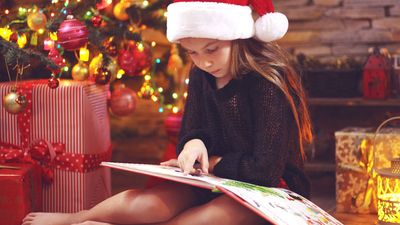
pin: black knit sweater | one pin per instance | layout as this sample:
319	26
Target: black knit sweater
249	123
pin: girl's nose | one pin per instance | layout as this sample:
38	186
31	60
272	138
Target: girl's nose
207	63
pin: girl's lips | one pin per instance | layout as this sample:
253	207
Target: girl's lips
216	71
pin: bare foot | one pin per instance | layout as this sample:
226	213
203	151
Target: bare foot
50	219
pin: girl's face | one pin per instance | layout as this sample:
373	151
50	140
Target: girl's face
210	55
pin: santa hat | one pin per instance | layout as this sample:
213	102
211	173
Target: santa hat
224	20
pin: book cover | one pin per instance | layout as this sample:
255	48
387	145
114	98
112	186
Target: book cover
276	205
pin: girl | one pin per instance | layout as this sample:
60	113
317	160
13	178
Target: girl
245	119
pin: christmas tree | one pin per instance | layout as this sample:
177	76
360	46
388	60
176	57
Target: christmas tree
99	40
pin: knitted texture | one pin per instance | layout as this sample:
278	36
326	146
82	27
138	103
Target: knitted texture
249	124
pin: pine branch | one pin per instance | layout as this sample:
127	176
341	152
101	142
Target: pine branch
13	55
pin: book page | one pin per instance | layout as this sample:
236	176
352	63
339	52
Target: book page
169	173
279	206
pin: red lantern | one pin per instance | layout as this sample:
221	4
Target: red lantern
376	77
134	61
72	34
123	101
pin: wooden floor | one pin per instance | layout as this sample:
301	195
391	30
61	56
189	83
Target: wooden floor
356	219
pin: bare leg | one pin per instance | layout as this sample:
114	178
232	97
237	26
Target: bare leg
158	204
222	210
92	223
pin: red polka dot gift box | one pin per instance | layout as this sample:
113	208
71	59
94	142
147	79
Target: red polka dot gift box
66	132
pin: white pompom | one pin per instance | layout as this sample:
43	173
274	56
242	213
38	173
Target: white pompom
271	26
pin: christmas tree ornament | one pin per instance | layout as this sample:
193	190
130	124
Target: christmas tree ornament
123	101
97	62
269	26
22	40
102	4
34	39
146	91
110	46
135	61
14	37
14	103
175	62
72	34
55	56
102	76
53	82
48	44
80	71
96	20
22	13
120	10
5	33
84	54
36	21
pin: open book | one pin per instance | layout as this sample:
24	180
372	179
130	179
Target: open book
276	205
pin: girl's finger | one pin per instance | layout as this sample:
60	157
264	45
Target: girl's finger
171	162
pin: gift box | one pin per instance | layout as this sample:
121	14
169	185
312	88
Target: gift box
355	185
21	192
65	130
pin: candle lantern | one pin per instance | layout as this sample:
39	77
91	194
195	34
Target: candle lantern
387	169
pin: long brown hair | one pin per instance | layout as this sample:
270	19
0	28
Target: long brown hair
272	62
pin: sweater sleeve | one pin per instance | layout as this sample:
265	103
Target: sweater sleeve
192	126
273	129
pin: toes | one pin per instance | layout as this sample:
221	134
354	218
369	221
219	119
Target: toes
29	217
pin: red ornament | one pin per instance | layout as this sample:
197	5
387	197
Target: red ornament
102	75
123	101
53	83
173	125
111	47
376	77
97	20
55	56
102	4
14	37
72	34
133	61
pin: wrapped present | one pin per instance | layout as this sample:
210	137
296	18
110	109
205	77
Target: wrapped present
355	184
21	192
66	131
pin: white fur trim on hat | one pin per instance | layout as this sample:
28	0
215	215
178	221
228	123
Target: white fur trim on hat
271	26
213	20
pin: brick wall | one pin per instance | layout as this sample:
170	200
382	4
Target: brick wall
328	29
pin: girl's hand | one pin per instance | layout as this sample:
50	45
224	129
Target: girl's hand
174	163
212	161
192	151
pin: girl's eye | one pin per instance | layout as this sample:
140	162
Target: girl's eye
190	53
209	51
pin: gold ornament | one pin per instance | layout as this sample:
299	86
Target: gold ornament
80	71
175	62
97	62
120	10
14	103
37	21
146	91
